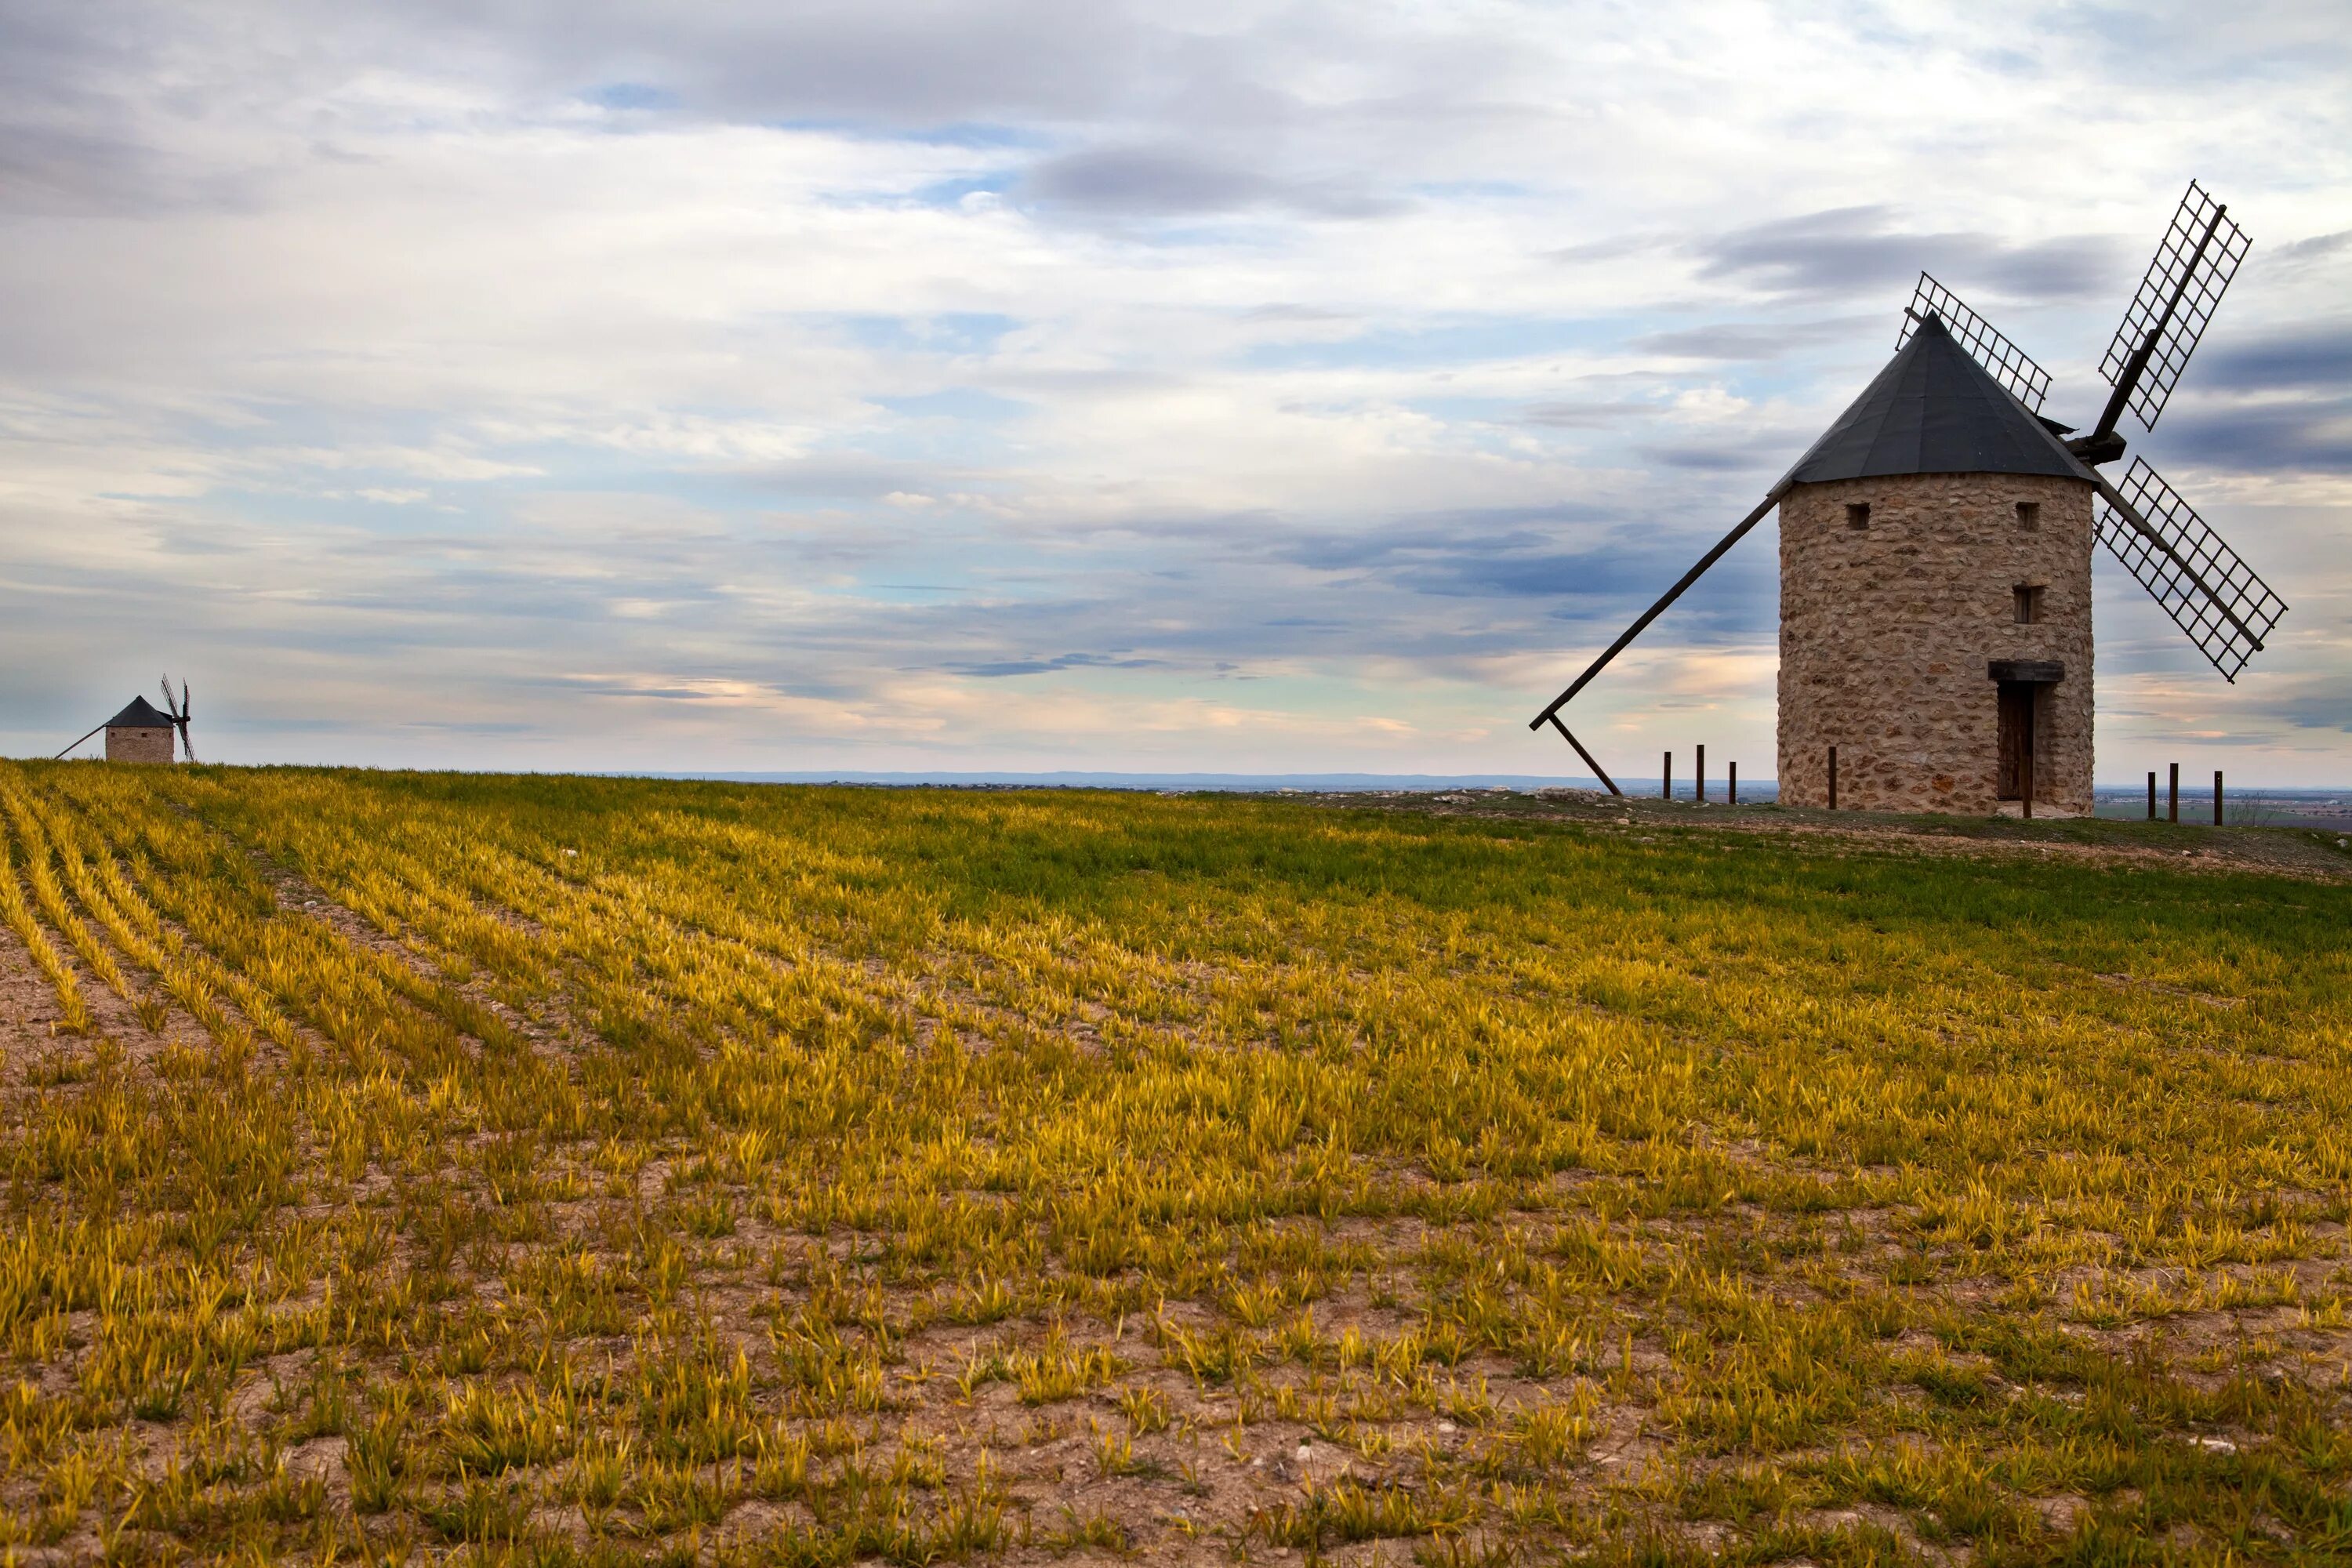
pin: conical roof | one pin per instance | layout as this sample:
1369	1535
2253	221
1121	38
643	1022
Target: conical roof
140	715
1934	410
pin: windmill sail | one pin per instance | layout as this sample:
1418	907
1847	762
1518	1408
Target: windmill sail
2003	360
2193	265
2220	601
177	707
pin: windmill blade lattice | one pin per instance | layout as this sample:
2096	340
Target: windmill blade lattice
2194	263
2008	364
2220	602
177	708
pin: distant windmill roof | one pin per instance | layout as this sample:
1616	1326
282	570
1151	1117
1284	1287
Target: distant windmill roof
1934	410
140	715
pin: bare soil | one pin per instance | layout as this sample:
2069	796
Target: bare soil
2305	852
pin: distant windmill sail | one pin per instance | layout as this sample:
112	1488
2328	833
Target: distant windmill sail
177	708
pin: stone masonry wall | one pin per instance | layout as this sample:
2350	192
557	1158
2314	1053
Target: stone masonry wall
128	746
1885	633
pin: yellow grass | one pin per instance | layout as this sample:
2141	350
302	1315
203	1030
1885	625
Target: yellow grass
557	1170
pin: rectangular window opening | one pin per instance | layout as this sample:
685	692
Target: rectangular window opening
1857	514
2029	517
2028	599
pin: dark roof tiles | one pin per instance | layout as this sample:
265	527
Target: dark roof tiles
140	715
1934	410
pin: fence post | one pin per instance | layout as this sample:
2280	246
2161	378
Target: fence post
1833	778
1733	786
1699	776
1666	778
2151	795
2217	798
2172	797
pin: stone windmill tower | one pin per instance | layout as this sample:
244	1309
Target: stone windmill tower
1936	558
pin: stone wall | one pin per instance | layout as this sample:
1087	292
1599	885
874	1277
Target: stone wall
128	746
1886	631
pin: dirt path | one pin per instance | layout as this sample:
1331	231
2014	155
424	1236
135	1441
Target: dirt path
2303	852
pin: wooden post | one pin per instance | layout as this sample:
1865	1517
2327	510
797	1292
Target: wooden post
1666	778
1732	784
1698	777
1607	782
2172	797
2217	798
1833	778
2151	795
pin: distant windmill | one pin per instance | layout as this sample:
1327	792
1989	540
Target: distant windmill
141	734
1943	527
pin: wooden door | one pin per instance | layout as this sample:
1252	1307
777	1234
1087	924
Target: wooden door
2016	738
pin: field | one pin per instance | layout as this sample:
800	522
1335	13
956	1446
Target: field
558	1170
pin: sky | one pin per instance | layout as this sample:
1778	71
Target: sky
897	385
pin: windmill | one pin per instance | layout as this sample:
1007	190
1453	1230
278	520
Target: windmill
1942	527
140	733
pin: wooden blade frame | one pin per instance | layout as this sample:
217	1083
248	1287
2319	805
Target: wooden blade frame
2004	361
2193	265
2220	601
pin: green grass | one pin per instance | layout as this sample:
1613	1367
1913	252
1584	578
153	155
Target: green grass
561	1168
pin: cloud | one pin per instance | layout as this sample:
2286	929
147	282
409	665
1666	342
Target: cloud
1173	182
2263	437
2319	355
1752	340
1844	250
1002	667
1590	413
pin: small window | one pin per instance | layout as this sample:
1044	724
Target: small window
2029	517
1857	514
2029	604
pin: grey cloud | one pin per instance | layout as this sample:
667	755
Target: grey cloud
1755	449
1407	539
1750	340
915	64
1614	248
2310	704
2318	248
1512	555
1146	180
1166	182
1708	457
463	727
2318	356
2271	438
1861	248
1586	415
1301	313
851	476
1151	116
48	170
1047	666
71	93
